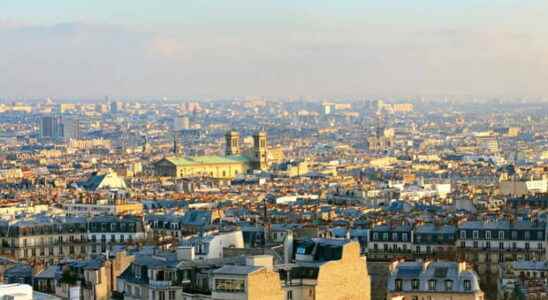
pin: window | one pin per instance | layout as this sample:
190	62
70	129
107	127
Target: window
488	235
432	284
398	284
488	245
475	234
418	249
501	245
230	285
289	295
514	235
527	235
415	284
539	235
375	236
501	235
526	246
449	285
385	236
394	236
171	295
161	295
467	285
462	235
404	237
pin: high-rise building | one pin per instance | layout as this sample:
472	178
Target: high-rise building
50	127
232	139
181	123
70	128
115	107
259	151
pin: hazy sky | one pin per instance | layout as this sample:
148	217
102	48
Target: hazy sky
182	48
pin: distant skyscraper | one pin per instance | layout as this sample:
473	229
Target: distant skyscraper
181	123
70	128
50	127
115	107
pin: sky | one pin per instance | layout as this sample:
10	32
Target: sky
273	48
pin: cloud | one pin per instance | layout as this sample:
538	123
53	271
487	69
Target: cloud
354	59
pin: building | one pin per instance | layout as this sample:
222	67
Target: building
487	244
324	269
260	161
437	280
44	240
215	166
388	241
70	128
91	279
232	139
181	123
50	127
255	280
523	280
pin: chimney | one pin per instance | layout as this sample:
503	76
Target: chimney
462	266
185	253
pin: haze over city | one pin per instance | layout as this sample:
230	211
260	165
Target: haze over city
319	49
273	150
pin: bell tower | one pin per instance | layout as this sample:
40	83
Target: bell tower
259	151
232	139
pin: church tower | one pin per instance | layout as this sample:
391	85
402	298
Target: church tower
259	151
232	139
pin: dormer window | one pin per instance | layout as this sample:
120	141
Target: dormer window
467	285
432	284
415	283
399	284
449	285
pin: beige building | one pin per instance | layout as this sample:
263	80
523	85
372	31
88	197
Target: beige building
255	280
326	270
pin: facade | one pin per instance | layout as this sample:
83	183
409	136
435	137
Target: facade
390	241
46	240
232	139
487	244
324	269
50	127
252	281
260	161
437	280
